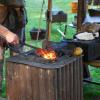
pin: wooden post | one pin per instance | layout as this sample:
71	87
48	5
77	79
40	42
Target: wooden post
82	7
48	22
81	14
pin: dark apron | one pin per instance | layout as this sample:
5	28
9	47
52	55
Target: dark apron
15	21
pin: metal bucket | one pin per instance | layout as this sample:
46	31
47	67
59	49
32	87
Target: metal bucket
37	34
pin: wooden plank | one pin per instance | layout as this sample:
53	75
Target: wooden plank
78	79
71	81
75	80
12	85
64	84
81	13
67	68
35	83
50	84
25	82
9	79
81	78
42	84
56	84
60	84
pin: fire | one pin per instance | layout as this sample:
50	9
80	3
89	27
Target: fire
47	54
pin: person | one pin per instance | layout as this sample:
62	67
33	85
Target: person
9	37
13	18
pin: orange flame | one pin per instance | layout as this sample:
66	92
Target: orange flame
47	54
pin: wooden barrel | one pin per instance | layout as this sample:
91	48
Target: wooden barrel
33	78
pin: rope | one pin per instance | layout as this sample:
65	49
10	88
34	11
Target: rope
40	19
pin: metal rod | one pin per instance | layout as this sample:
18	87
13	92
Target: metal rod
92	82
40	20
62	33
49	19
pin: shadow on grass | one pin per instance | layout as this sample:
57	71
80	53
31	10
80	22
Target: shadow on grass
91	92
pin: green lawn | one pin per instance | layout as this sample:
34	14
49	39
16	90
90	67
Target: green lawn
91	91
33	12
34	8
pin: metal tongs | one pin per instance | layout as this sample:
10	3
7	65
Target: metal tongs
17	48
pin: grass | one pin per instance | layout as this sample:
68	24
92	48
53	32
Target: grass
34	9
90	90
33	12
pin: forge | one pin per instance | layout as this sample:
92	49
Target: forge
32	77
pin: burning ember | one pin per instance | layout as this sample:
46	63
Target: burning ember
47	54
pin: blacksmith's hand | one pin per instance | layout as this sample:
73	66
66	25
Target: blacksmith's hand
12	38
